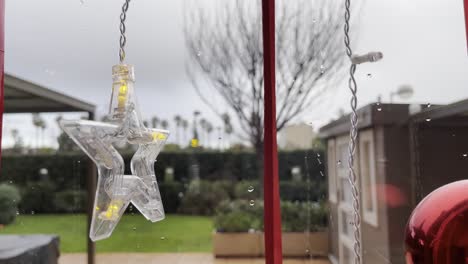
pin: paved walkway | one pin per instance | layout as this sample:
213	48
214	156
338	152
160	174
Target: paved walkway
170	258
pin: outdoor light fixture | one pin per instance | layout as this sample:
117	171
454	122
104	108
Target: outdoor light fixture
115	190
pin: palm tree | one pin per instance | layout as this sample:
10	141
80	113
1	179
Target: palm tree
209	130
203	125
227	126
185	125
196	113
178	122
154	121
164	124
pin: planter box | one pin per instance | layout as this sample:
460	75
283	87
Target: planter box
305	244
252	244
237	244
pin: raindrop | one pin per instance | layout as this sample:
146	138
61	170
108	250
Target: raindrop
428	120
465	155
32	212
11	182
379	109
220	138
250	189
322	69
369	75
163	238
17	213
322	174
319	162
252	202
199	53
314	20
339	162
307	251
318	155
181	194
429	105
134	228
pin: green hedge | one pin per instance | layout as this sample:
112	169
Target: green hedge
68	171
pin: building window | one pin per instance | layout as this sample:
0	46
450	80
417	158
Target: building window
368	177
332	171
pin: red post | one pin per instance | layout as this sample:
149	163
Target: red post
272	214
2	58
466	20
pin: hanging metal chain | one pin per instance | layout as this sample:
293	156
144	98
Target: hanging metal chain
123	38
353	138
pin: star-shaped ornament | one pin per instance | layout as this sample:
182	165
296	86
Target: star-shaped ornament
115	190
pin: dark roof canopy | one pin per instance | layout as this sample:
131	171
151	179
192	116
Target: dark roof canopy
21	96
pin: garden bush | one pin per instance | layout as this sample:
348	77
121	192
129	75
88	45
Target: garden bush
201	198
38	197
240	216
9	199
70	201
172	194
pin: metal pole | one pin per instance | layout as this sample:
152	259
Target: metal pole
466	19
272	214
91	190
2	73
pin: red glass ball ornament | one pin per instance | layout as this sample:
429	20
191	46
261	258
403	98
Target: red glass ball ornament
437	231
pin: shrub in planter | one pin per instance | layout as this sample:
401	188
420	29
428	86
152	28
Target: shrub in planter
70	201
305	216
9	199
238	216
38	197
201	198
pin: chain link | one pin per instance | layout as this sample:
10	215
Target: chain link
353	138
123	38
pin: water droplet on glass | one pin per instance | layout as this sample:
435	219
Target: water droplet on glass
163	238
322	69
322	174
17	213
379	109
307	251
220	138
181	194
199	54
314	20
134	228
429	105
369	75
339	162
250	189
318	155
11	182
252	203
319	162
32	212
428	120
465	155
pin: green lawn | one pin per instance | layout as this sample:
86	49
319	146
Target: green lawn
133	234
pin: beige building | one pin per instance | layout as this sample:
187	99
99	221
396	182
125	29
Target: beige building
296	137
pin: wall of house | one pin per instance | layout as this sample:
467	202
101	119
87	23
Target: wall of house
397	168
441	154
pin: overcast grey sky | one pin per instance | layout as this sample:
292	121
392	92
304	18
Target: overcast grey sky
71	46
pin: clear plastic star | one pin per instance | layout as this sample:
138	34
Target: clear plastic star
115	190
